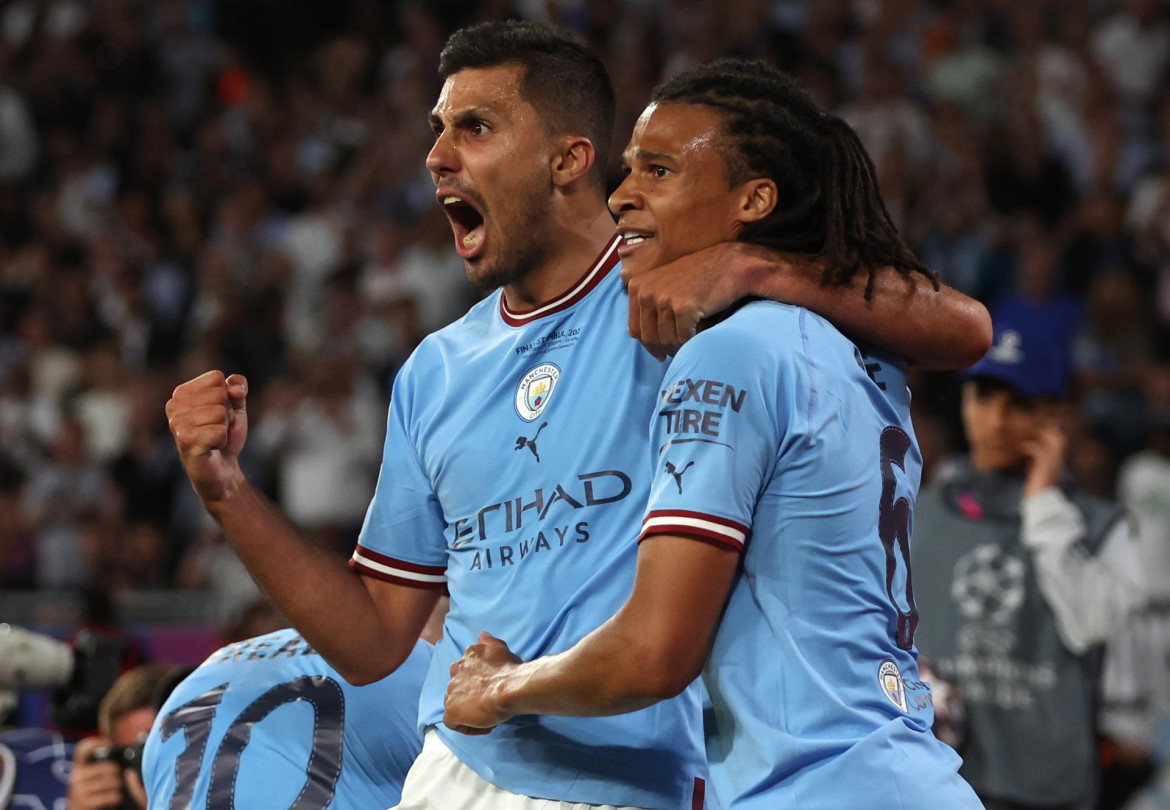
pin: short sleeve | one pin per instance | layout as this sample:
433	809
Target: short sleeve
402	539
716	435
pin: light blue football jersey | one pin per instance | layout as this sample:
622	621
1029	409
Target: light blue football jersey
515	476
776	436
268	723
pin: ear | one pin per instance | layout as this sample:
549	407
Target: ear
755	199
572	160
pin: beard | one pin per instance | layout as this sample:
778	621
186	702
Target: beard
511	260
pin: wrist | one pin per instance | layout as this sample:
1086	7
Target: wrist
1039	483
220	499
758	271
507	693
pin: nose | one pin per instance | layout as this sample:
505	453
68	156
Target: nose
625	197
996	413
443	159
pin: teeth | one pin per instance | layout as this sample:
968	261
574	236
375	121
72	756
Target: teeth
450	200
471	240
633	239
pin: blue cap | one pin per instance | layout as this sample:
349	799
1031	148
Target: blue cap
1025	358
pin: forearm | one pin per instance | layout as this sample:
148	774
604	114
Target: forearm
322	597
1090	595
934	329
608	672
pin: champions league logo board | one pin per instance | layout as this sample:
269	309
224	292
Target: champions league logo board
535	390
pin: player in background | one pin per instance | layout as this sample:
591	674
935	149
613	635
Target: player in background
529	543
776	539
266	722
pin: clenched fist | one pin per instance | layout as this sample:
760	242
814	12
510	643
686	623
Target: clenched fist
472	702
209	421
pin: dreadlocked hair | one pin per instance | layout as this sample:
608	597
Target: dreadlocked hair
829	207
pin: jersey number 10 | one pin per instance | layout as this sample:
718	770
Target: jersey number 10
195	717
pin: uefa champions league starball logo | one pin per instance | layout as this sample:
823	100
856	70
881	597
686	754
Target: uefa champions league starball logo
988	585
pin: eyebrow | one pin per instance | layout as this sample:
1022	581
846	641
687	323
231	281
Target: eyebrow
650	157
463	118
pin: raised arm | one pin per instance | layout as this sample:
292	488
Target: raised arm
649	651
364	627
937	329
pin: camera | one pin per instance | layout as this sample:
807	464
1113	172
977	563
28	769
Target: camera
129	757
81	672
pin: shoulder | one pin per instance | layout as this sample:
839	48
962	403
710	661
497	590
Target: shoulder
256	648
752	333
461	336
1104	514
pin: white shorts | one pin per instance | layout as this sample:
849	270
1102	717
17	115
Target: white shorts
438	780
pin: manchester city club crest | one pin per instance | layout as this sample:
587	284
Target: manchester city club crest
890	677
535	390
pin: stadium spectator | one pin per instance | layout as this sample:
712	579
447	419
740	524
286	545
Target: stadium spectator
1135	713
1029	578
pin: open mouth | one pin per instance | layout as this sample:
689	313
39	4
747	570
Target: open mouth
631	239
468	224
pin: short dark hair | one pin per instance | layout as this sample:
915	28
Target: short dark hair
829	206
564	80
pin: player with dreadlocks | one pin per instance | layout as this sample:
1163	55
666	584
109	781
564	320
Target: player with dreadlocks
828	204
781	559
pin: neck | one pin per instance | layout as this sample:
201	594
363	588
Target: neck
576	239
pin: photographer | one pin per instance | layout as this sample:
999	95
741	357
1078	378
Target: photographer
107	768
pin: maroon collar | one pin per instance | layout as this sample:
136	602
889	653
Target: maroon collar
607	261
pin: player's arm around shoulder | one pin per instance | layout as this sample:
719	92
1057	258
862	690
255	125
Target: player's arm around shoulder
933	327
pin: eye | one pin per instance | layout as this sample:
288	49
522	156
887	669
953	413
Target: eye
625	171
659	171
477	128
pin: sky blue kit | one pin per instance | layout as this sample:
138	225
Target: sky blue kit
778	437
515	476
268	723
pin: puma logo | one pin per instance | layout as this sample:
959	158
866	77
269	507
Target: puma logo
678	474
522	442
